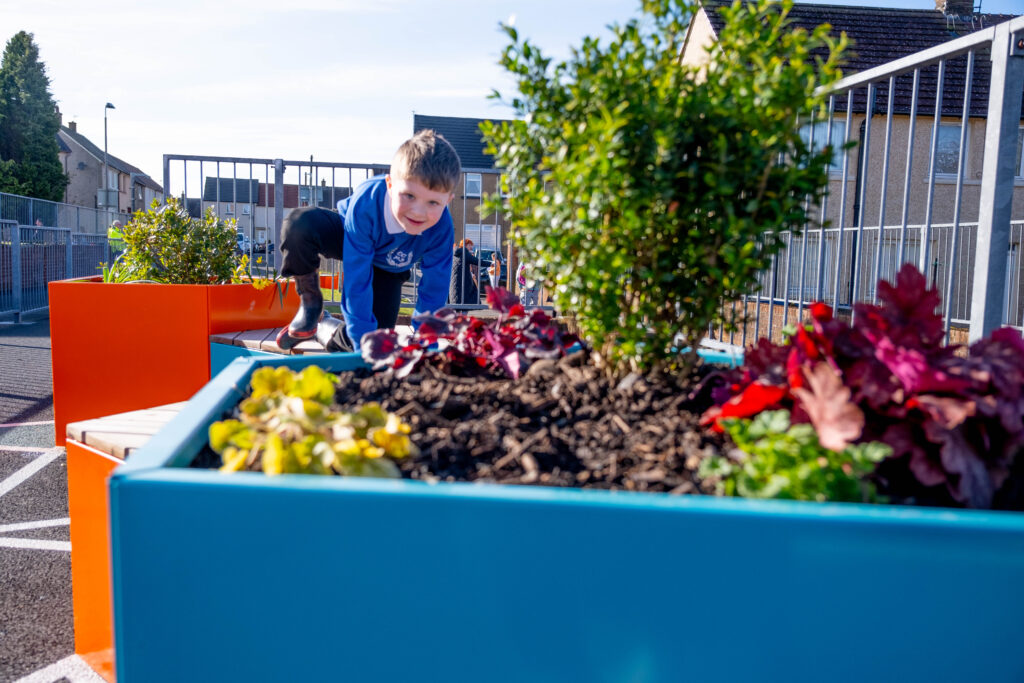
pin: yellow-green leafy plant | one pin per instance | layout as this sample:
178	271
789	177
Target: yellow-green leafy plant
243	274
647	190
287	425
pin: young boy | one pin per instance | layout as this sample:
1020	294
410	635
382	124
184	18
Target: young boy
388	224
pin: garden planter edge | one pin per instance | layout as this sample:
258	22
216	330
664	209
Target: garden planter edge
821	575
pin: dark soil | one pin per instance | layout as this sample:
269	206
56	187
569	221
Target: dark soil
561	424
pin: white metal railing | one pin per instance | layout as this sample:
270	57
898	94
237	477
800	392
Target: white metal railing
938	172
258	194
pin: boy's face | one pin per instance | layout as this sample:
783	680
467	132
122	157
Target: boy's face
416	206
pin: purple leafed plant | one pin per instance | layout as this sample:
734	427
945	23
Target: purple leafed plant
462	345
955	424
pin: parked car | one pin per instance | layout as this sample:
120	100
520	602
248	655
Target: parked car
243	243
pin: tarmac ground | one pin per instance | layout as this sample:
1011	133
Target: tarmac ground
36	627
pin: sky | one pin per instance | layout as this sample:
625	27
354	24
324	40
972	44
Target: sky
335	79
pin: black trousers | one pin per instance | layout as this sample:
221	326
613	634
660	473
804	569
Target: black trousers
311	232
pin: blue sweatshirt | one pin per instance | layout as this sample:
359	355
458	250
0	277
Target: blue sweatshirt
373	237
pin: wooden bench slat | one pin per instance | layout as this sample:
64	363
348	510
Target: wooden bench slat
253	339
226	338
119	434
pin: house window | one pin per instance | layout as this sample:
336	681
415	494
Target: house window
821	138
1020	153
947	155
483	236
246	209
229	209
473	184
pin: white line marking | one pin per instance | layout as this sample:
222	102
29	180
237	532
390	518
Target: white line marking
42	524
26	424
28	470
24	449
34	544
72	668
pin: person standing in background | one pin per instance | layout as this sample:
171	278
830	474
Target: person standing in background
494	271
528	289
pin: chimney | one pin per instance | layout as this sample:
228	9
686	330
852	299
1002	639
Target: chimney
73	126
955	8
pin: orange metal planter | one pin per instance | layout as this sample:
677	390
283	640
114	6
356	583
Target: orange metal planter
332	281
88	470
121	347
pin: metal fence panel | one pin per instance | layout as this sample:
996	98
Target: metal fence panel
89	253
43	213
258	194
942	202
8	292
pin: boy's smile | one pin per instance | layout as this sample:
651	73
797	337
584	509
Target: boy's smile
414	205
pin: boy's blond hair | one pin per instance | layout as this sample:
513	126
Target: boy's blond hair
430	159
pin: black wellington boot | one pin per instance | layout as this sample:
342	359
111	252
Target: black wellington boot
332	334
311	308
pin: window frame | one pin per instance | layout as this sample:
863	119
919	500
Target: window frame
479	178
1019	174
952	126
838	141
476	232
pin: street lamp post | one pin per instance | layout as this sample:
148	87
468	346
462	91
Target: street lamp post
106	189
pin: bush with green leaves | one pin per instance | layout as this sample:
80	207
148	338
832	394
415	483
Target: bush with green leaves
778	460
642	188
167	245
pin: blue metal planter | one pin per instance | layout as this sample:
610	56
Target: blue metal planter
246	577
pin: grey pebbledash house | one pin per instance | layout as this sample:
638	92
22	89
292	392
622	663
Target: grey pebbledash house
83	162
880	36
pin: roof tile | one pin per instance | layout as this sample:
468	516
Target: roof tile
463	133
881	34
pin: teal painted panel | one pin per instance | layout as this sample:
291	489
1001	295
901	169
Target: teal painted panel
222	354
255	578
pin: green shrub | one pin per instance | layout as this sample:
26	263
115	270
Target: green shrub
167	245
641	188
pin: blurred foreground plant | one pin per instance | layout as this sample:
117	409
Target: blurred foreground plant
287	426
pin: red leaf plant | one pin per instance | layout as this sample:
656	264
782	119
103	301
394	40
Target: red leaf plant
956	424
466	346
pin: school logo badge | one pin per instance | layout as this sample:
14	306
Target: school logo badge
399	258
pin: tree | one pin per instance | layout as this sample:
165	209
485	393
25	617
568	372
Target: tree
8	181
29	122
